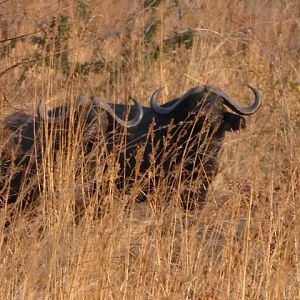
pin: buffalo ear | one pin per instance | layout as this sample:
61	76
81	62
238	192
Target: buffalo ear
233	122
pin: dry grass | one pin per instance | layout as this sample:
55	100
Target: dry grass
245	243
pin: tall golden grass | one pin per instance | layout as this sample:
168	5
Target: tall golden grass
245	242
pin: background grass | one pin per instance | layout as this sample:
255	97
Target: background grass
244	244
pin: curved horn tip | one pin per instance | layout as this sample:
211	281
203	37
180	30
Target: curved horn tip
41	109
253	88
138	118
250	86
155	106
258	98
133	99
157	91
246	111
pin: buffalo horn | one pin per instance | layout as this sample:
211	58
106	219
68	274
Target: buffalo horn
249	110
208	88
130	123
44	116
166	110
84	101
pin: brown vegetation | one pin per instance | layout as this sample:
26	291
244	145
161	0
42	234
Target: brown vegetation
245	242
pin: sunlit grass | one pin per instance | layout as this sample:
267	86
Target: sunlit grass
244	243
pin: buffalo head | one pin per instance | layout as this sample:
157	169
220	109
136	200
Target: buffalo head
208	102
23	149
187	132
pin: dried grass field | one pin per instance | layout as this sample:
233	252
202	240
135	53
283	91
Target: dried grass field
245	242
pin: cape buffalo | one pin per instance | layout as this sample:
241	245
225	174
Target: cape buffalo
184	134
26	138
